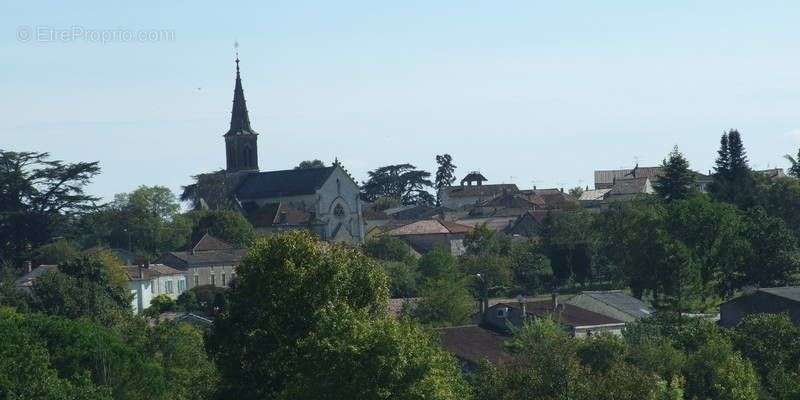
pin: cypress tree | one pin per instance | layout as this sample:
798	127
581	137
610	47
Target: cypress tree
723	157
736	155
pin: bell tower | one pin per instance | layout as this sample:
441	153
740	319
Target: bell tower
241	141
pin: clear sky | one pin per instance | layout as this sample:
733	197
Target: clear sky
529	92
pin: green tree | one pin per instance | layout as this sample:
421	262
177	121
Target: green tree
401	181
445	301
388	248
576	192
310	164
568	241
188	372
230	226
482	240
439	262
56	252
403	278
775	255
368	358
39	198
733	179
678	180
160	304
210	191
794	167
444	174
772	343
532	270
284	285
81	288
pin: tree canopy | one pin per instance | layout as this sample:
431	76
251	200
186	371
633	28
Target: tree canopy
401	181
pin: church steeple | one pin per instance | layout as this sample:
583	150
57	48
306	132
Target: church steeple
241	141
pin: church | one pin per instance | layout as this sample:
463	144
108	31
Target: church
324	200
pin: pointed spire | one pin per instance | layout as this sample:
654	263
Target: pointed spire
240	120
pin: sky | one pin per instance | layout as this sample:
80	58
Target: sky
528	92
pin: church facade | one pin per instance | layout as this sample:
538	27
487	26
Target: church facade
324	200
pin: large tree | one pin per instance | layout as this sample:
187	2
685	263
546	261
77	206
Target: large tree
306	164
230	226
678	180
209	191
733	179
794	167
444	173
300	303
39	198
400	181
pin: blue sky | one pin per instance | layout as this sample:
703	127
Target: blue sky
530	92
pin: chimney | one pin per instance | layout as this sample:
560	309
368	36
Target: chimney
534	187
562	190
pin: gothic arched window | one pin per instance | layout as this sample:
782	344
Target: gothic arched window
338	211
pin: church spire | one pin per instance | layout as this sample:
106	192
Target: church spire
241	141
240	120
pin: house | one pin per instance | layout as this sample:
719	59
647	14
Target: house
550	199
497	223
473	344
25	282
774	300
578	321
210	261
593	198
606	179
472	192
528	224
148	281
612	303
629	189
424	235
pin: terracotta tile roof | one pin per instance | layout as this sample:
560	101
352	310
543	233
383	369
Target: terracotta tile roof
429	227
146	273
209	243
474	344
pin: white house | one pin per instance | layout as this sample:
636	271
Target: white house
147	282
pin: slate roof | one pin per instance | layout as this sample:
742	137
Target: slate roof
570	315
205	258
429	227
27	280
271	214
289	182
153	271
418	212
622	302
788	292
474	344
480	191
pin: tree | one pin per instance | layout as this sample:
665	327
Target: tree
567	240
188	372
81	288
576	192
230	226
160	304
310	164
772	343
403	278
678	180
794	168
482	241
39	198
437	263
210	191
445	301
373	359
533	273
388	248
733	180
56	252
775	254
146	221
444	173
284	285
401	181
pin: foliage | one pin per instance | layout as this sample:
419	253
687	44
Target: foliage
401	181
568	241
368	358
208	299
306	164
81	288
576	192
733	179
439	262
794	167
56	252
772	344
495	273
403	278
230	226
188	372
388	248
444	174
445	301
39	198
284	285
678	181
160	304
483	240
775	253
209	191
532	270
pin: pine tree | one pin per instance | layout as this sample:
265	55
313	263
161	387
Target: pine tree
723	163
678	180
794	169
733	180
737	155
444	174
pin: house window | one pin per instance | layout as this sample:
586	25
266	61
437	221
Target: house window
213	279
196	280
153	286
168	286
502	312
181	286
224	281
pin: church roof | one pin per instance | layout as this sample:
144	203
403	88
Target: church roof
240	120
289	182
